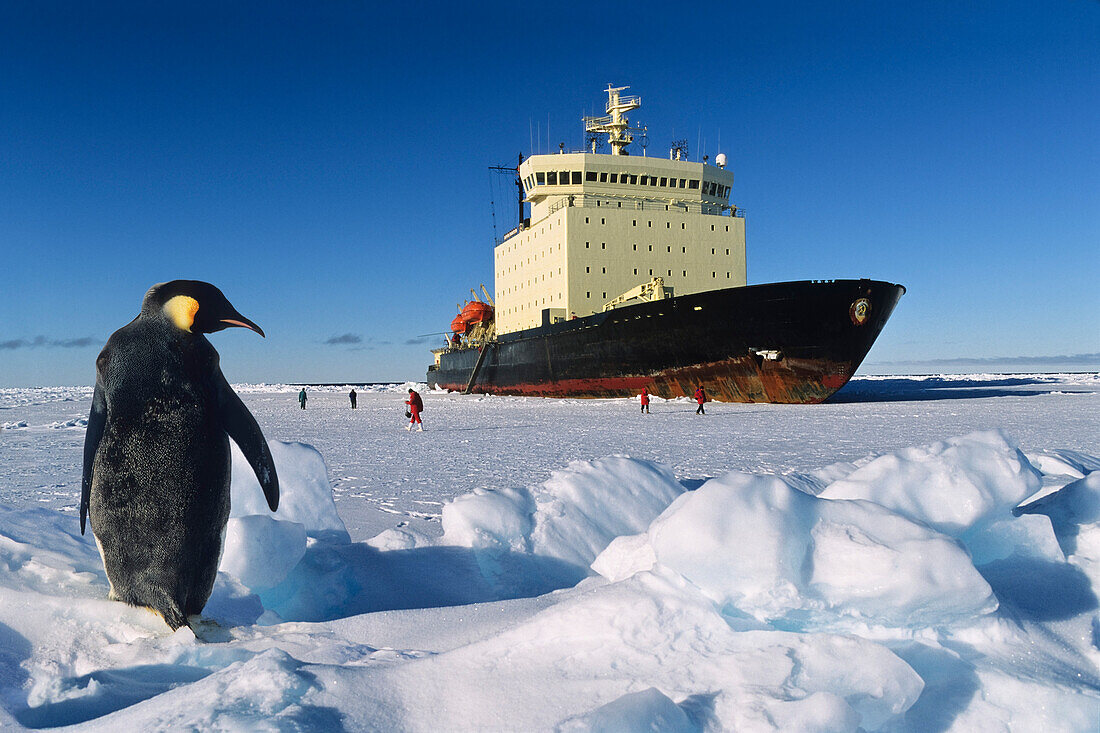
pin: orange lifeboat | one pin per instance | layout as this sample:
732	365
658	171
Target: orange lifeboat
473	312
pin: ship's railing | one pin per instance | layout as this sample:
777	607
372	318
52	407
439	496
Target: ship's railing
632	100
692	207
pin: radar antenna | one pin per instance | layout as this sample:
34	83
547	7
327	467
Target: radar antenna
614	124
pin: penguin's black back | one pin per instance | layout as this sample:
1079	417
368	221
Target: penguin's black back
160	489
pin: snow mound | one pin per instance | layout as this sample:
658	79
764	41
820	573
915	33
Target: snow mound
261	548
14	425
616	637
1074	513
1074	464
571	516
76	422
760	548
305	495
646	710
260	551
957	486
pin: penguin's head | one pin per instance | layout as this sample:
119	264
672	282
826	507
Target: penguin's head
193	306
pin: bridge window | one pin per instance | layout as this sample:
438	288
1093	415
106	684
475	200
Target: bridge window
614	177
603	177
664	183
552	178
694	184
633	180
540	177
576	177
590	175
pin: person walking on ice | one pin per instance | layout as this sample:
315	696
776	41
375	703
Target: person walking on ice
302	398
644	399
701	398
415	406
352	396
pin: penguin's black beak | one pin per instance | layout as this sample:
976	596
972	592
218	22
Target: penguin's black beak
239	320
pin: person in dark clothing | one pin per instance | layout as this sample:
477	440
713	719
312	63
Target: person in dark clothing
352	397
701	398
302	398
644	399
415	406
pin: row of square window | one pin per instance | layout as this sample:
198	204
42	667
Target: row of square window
668	224
588	294
603	245
683	250
713	274
685	272
566	178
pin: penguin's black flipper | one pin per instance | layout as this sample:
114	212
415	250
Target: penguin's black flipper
97	419
245	432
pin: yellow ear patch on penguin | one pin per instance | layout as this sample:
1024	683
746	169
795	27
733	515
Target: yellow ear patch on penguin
182	309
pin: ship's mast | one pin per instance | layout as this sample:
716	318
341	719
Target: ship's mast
514	173
615	124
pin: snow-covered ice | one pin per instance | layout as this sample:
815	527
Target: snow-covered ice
922	554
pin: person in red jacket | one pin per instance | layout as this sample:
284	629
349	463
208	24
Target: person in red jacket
415	406
701	398
644	399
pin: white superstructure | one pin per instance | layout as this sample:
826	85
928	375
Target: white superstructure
603	224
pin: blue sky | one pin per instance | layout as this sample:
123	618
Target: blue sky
325	164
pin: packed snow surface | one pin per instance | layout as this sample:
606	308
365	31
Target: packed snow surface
921	554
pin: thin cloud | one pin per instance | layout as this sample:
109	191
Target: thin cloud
1056	360
344	340
75	343
417	341
43	342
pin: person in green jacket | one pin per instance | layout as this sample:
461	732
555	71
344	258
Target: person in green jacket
302	398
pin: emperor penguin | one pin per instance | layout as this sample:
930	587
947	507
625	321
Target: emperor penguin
156	452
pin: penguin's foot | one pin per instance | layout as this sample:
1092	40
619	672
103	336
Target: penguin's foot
208	630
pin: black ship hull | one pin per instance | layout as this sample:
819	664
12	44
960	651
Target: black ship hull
795	342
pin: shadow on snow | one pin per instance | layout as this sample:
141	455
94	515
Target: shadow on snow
903	389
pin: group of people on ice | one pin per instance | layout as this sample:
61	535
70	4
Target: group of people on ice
700	397
415	404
